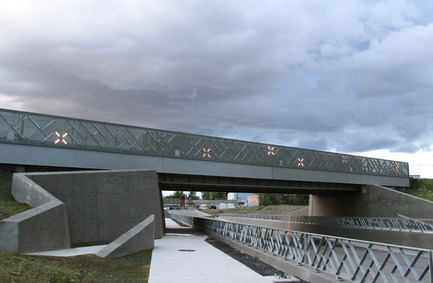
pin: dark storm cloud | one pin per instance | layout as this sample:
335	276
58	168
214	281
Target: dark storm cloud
335	75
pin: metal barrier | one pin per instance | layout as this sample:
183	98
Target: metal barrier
279	218
393	224
399	224
347	259
184	218
53	131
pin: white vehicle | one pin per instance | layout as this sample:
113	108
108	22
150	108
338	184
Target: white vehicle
202	206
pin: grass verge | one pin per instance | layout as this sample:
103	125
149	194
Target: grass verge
87	268
8	206
422	188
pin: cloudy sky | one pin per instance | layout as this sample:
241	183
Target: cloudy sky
346	76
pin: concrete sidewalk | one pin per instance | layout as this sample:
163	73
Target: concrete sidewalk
189	258
185	258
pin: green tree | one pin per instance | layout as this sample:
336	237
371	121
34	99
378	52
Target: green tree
177	195
193	196
275	199
214	195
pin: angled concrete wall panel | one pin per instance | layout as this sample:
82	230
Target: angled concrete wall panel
102	205
372	201
79	208
42	228
139	238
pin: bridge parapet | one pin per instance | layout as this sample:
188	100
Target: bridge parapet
24	128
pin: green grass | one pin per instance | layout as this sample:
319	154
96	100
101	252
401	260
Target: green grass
8	206
88	268
422	188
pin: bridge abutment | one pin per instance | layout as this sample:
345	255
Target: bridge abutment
371	201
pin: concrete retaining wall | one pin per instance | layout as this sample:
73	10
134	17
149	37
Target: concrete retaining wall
371	201
44	227
102	205
80	208
401	238
139	238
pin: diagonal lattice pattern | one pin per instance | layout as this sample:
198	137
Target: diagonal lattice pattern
347	259
379	223
43	130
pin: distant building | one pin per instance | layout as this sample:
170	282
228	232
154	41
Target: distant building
172	203
242	198
231	196
253	200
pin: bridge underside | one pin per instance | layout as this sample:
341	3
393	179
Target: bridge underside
172	182
197	175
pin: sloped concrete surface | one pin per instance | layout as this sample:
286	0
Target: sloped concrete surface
71	252
139	238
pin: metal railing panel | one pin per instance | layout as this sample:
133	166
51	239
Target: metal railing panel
392	224
184	218
347	259
45	130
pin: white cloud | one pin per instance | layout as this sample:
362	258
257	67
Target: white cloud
343	75
10	101
420	163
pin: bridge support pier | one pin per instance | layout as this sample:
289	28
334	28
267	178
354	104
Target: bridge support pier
371	201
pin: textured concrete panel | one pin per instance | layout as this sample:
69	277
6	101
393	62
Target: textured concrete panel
9	236
45	228
42	228
24	190
139	238
86	207
102	205
372	201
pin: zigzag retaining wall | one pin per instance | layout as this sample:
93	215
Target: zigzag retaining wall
79	208
44	227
